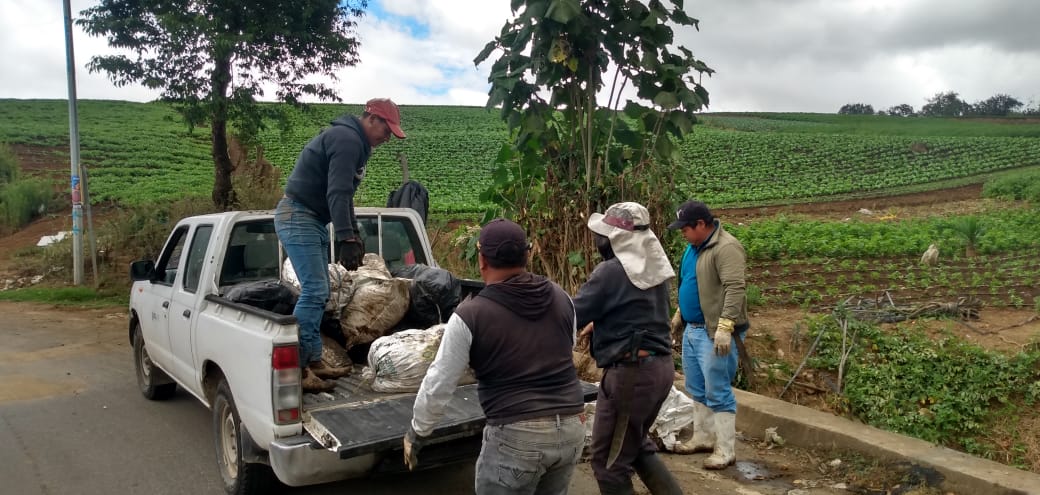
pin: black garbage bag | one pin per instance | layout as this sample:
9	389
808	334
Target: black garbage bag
434	292
270	295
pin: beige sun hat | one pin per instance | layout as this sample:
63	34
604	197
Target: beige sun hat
627	225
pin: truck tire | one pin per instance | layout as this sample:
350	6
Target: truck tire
151	381
240	478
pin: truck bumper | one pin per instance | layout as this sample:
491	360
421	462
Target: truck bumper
298	461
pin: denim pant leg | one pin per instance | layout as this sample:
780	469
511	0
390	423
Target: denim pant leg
529	457
712	383
306	243
691	364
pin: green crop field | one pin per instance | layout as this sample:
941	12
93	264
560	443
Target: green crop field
136	152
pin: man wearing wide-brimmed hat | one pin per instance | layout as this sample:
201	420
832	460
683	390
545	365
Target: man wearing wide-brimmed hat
626	300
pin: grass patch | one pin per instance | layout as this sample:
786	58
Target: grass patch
66	296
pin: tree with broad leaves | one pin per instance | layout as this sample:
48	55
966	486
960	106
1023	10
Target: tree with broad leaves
569	154
212	59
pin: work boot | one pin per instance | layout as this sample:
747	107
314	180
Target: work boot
612	488
312	384
725	437
703	432
328	372
655	475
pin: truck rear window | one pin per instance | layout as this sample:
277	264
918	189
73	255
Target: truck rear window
400	241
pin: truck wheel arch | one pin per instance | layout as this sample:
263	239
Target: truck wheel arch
152	382
235	450
212	375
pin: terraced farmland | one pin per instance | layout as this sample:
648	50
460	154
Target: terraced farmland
140	151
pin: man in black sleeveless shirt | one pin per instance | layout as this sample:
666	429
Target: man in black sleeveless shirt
517	335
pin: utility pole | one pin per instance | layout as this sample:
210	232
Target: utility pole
77	197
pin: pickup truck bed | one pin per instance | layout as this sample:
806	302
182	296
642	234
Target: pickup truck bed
354	420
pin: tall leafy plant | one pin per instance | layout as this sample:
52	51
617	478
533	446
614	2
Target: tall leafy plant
968	230
572	152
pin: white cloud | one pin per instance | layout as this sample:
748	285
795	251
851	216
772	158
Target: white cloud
771	55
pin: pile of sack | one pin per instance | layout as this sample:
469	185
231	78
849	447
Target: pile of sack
401	314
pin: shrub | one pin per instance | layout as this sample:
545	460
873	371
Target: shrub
8	166
22	200
1017	186
943	391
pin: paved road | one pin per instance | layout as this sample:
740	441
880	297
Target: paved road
72	422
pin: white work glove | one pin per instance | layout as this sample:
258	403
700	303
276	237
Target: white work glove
723	336
677	327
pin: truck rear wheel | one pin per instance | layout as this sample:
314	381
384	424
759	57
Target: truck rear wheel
239	477
151	381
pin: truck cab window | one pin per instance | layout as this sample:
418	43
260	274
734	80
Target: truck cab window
170	260
196	257
252	253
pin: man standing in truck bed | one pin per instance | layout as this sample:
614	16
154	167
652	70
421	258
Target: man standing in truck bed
321	190
517	335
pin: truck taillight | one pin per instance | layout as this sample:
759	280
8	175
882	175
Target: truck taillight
285	383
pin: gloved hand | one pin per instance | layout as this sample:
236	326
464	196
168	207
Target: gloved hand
677	327
350	253
723	336
413	443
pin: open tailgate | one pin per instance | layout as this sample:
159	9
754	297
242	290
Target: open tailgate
378	424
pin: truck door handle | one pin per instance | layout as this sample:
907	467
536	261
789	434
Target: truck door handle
187	313
166	304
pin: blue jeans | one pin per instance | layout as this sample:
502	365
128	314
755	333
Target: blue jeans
709	378
535	456
305	240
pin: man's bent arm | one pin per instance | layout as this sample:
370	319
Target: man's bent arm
443	376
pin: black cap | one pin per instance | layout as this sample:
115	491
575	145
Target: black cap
688	214
504	242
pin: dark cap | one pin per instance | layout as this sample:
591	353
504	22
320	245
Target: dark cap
688	214
504	242
388	111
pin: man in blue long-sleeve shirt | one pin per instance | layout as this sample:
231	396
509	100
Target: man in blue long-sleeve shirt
321	190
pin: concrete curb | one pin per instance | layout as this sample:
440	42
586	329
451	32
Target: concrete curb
804	427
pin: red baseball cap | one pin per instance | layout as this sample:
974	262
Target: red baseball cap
388	111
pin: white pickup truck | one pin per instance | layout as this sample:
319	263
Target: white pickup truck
242	361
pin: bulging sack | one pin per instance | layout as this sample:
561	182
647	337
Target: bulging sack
399	362
341	285
378	303
333	354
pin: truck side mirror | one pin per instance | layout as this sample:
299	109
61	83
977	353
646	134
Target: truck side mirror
142	270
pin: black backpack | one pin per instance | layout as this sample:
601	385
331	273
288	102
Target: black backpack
412	195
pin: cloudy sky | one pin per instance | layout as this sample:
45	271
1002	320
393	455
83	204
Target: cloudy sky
770	55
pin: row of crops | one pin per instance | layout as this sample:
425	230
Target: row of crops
821	263
782	237
141	151
994	280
